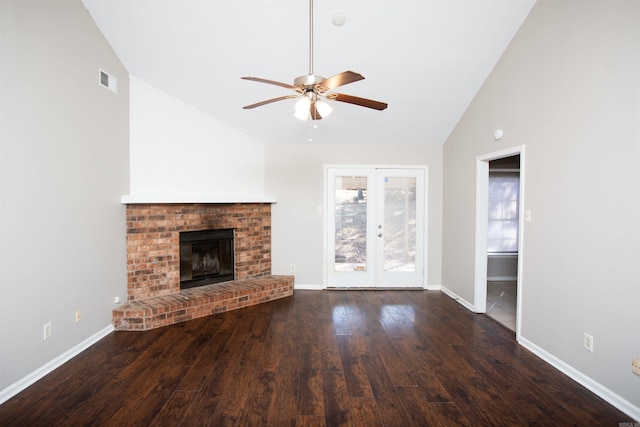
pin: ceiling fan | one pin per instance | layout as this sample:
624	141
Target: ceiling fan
311	88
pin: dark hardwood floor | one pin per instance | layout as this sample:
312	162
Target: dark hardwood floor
393	358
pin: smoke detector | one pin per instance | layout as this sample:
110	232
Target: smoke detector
339	18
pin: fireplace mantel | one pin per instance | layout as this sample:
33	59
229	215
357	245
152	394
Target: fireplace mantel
133	199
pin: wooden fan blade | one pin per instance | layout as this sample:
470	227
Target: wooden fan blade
341	79
271	82
363	102
269	101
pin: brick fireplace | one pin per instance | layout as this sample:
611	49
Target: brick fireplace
153	262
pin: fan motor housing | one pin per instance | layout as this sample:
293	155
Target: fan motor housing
307	83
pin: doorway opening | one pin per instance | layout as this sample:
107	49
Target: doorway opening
499	223
502	240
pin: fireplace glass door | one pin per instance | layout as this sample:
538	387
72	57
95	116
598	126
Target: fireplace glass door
206	257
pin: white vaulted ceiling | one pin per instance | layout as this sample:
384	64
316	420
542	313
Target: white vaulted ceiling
425	58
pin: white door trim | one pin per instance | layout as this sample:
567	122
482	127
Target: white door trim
482	220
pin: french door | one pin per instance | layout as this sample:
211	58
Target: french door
375	227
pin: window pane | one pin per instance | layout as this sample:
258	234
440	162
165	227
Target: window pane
399	224
510	209
351	223
504	188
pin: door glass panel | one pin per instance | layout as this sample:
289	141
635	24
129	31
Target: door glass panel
399	224
351	223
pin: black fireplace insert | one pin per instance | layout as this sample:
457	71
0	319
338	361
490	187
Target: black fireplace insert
206	257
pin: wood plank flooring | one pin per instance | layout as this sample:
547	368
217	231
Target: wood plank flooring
319	358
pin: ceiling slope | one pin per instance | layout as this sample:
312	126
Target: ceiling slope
425	58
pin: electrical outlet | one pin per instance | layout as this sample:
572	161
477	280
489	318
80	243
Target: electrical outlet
47	330
635	365
78	316
293	268
588	342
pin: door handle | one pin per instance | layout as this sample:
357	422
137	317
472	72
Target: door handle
379	234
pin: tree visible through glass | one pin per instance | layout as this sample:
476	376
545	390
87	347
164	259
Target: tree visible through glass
399	224
351	223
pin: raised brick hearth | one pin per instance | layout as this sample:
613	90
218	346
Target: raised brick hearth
153	263
150	313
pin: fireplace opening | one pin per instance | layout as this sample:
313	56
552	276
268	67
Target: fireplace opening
206	257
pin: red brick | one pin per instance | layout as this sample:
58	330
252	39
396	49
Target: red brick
155	312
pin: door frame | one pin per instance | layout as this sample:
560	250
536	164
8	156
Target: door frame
326	214
482	225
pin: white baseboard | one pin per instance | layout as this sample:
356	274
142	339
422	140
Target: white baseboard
466	304
303	287
432	287
594	386
25	382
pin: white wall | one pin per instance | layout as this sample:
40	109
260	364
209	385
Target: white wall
295	174
181	151
63	165
568	88
502	267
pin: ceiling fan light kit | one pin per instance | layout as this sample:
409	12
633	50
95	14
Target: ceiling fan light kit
309	106
311	88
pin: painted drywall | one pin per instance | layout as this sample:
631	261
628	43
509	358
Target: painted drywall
502	266
295	174
63	167
179	150
568	89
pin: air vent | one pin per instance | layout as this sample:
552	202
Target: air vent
107	80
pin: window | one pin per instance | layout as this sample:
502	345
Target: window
504	192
